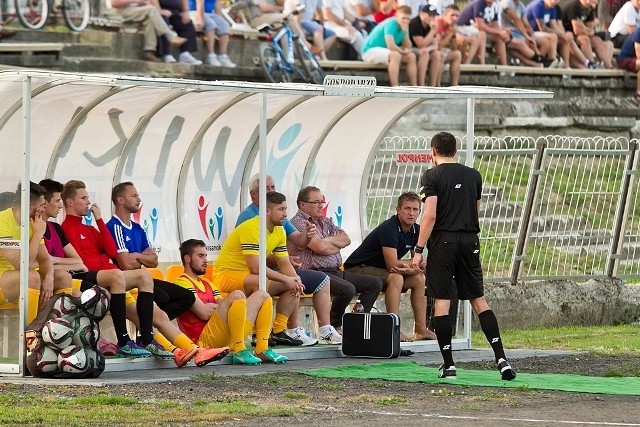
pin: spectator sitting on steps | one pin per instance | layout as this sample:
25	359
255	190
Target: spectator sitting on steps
265	12
208	18
389	44
147	12
629	57
578	16
176	14
425	40
338	19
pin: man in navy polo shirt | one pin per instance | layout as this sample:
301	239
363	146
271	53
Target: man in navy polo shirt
629	58
380	254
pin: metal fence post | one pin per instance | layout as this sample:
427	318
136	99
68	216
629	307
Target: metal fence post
622	212
525	219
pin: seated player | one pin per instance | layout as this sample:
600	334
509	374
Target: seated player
220	321
43	280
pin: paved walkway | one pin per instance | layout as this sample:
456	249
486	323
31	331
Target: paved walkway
173	374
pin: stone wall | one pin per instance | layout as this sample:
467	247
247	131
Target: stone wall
552	303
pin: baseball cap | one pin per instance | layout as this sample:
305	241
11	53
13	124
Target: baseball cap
431	10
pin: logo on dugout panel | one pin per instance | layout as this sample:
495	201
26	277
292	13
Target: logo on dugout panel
211	222
337	213
149	224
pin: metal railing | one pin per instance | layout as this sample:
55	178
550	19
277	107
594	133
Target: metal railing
552	208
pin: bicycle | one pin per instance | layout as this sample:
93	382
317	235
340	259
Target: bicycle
33	14
297	63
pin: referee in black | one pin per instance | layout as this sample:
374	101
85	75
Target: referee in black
449	229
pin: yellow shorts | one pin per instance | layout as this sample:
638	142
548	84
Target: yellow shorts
76	283
216	332
130	296
230	280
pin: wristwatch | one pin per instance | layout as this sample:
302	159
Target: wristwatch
418	249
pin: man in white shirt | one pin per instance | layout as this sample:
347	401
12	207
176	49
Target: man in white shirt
625	21
338	19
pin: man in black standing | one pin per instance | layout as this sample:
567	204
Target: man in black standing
449	228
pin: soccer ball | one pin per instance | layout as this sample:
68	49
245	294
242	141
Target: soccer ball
95	363
65	307
73	359
95	303
85	332
44	362
58	333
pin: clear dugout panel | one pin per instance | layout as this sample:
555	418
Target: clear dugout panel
216	169
154	158
11	168
339	163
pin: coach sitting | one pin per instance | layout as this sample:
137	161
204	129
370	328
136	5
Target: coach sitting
380	255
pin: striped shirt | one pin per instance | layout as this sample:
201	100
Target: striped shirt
245	240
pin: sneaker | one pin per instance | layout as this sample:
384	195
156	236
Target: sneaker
506	371
555	63
187	58
300	334
182	355
158	351
131	349
332	337
245	357
271	356
175	40
592	66
271	342
106	347
208	355
226	61
549	63
212	59
169	59
449	372
281	338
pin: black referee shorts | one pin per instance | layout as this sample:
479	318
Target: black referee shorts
454	255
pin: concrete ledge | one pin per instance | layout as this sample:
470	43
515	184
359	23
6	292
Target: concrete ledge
31	47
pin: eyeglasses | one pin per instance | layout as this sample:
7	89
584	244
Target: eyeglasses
316	202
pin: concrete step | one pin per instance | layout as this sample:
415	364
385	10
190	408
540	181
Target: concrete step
91	50
159	69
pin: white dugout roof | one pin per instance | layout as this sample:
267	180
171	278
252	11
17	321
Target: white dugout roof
190	147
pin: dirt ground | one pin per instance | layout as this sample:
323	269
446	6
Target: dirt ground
337	402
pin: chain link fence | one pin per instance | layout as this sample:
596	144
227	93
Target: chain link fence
553	207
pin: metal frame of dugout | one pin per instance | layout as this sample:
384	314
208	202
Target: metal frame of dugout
343	104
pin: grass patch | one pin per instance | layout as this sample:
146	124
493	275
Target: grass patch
204	377
295	395
390	400
17	409
445	392
605	340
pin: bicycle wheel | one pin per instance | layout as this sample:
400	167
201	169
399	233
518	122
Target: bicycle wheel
309	63
32	13
76	14
271	65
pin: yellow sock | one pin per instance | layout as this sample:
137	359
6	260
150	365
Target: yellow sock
264	320
183	341
248	327
279	323
235	318
67	291
160	339
33	296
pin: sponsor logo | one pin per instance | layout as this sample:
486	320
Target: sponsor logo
211	223
10	244
458	186
414	158
495	340
149	224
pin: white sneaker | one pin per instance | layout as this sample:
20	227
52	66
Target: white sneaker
212	59
187	58
300	334
330	337
169	59
225	61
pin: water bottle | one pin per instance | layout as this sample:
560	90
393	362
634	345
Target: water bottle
307	324
358	307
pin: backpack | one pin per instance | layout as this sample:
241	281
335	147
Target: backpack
62	340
